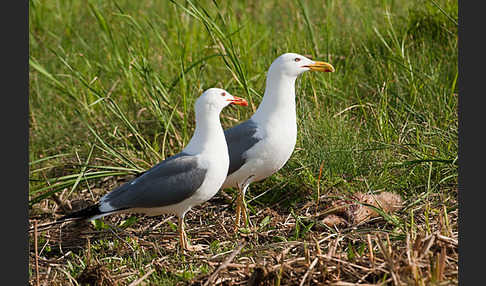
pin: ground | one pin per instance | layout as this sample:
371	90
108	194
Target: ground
282	247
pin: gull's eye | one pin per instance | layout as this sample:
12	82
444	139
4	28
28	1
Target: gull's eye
223	94
297	60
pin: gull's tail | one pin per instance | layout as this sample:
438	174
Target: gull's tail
89	213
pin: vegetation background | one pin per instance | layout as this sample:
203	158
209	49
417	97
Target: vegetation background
111	91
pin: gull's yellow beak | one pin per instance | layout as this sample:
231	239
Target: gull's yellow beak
321	66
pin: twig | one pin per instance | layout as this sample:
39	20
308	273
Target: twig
287	263
89	252
389	260
326	257
447	239
370	247
314	262
69	276
139	280
235	265
426	248
47	276
36	255
162	222
321	264
273	245
225	264
53	223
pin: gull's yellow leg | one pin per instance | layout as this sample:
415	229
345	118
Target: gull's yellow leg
241	209
182	233
244	210
238	209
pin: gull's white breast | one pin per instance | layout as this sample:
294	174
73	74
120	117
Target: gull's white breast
267	156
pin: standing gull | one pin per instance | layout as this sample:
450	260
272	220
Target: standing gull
182	181
260	146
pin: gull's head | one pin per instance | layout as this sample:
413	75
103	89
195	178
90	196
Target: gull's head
217	99
292	64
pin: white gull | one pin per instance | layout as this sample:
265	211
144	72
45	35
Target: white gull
182	181
260	146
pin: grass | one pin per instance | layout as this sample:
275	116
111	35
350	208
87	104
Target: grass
111	91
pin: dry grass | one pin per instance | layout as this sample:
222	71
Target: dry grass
282	247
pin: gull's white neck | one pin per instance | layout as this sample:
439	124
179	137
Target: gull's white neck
208	136
278	101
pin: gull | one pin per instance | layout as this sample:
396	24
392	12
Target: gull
181	181
261	145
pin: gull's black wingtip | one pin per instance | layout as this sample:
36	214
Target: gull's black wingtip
85	213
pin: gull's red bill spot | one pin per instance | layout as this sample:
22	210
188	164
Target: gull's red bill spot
238	101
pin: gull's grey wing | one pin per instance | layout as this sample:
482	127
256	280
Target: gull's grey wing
240	138
169	182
